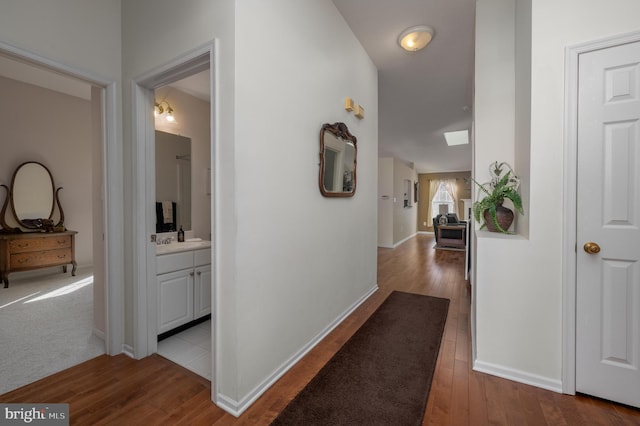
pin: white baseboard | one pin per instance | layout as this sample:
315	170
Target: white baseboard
518	376
402	241
392	246
128	351
236	408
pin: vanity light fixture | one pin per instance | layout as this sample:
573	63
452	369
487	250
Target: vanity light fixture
162	108
415	38
170	116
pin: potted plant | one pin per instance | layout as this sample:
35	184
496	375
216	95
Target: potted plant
504	184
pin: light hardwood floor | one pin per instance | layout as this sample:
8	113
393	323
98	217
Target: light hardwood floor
119	390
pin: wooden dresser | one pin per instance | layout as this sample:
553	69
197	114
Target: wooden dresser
33	250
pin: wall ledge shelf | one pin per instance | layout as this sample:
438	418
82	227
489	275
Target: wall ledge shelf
482	233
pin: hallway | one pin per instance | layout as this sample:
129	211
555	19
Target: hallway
120	390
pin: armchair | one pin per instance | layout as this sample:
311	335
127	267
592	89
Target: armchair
452	219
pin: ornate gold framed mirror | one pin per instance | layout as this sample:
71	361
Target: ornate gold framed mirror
338	160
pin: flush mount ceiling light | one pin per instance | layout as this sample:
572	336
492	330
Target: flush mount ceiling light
460	137
415	38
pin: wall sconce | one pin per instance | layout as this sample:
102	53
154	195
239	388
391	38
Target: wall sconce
162	108
348	104
351	106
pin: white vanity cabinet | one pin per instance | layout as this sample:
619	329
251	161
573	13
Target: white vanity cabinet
184	287
202	292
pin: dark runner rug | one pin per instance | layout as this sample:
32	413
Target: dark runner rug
382	374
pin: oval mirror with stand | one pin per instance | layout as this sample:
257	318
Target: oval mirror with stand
338	160
35	240
33	199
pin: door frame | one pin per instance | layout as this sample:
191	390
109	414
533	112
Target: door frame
111	188
144	255
570	213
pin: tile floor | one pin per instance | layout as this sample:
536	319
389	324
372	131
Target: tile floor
190	349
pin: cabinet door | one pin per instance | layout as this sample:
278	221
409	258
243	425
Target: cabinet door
202	296
175	299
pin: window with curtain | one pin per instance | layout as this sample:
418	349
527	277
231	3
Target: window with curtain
442	198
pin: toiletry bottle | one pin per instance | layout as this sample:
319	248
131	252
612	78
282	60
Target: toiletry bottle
181	235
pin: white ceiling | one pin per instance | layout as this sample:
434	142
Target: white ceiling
196	85
421	94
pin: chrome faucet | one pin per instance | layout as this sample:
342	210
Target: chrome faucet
161	241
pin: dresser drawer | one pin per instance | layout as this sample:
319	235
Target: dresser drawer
38	244
41	258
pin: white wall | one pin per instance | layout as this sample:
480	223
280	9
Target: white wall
179	27
396	222
405	219
54	129
290	261
77	33
522	119
385	202
519	281
302	259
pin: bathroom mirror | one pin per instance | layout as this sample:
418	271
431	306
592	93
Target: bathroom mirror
173	182
33	199
338	159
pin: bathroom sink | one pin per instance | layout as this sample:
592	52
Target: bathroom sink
178	247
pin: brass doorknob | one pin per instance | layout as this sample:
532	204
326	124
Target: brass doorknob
592	248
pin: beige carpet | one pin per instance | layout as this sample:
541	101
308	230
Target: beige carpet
46	326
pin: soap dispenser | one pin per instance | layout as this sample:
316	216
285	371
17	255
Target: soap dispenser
181	235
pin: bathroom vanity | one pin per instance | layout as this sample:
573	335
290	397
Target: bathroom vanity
184	283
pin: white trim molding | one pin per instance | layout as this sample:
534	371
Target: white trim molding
398	243
128	351
404	240
569	233
518	376
236	408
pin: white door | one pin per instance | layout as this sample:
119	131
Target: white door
608	215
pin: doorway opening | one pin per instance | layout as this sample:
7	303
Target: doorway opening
73	310
169	295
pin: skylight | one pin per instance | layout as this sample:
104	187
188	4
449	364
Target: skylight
460	137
